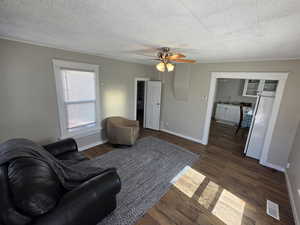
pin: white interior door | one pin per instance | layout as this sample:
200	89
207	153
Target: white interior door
153	104
256	137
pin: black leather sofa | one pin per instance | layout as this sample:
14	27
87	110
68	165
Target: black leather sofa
85	205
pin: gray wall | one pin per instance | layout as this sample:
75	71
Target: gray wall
293	173
187	117
28	106
231	90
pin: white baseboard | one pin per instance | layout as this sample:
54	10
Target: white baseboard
181	135
273	166
82	148
292	201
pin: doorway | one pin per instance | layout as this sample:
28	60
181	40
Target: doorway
140	100
281	80
232	114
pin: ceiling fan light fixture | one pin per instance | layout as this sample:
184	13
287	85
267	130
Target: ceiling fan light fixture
161	67
170	67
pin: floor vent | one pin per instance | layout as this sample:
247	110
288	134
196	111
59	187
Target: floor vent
273	209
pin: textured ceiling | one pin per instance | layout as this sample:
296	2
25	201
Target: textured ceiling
205	30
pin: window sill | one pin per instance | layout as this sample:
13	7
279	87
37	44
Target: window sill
83	133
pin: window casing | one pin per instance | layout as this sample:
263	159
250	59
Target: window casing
78	95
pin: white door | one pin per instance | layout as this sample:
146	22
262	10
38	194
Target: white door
257	133
153	104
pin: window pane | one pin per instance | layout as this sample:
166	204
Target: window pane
78	85
81	114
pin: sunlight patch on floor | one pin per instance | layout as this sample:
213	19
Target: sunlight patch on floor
209	194
189	182
229	208
221	203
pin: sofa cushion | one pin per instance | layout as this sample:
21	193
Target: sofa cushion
35	187
70	158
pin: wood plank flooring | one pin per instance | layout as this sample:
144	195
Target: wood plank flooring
221	188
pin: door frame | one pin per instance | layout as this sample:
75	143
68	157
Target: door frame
281	77
145	79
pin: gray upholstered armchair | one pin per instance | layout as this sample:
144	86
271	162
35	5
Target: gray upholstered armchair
122	131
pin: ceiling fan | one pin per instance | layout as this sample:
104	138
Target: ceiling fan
166	58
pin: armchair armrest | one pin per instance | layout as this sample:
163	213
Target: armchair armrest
62	146
87	204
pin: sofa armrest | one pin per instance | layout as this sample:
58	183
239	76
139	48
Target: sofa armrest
8	213
87	204
62	146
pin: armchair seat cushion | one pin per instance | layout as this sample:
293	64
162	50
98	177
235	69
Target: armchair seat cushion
35	187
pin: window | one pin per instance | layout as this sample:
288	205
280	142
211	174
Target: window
78	97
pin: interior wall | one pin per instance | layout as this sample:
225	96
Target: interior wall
28	106
294	175
187	117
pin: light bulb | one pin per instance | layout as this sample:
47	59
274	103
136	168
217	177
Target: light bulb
161	67
170	67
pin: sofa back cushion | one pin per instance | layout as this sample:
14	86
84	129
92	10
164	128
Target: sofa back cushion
34	186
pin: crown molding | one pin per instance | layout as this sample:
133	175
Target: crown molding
42	44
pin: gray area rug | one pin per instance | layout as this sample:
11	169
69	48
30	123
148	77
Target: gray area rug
146	170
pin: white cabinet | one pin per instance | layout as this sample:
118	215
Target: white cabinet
233	114
253	87
228	113
220	112
270	85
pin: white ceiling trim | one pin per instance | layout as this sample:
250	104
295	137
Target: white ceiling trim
136	61
47	45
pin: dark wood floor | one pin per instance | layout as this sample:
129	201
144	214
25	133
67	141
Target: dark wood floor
224	136
221	188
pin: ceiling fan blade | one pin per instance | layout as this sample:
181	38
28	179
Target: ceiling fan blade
176	56
184	60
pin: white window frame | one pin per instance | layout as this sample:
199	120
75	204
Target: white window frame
58	65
